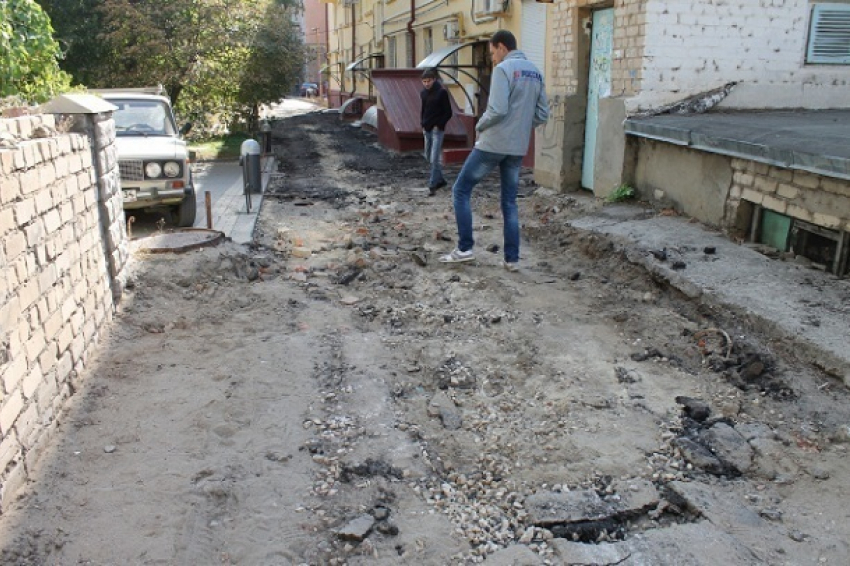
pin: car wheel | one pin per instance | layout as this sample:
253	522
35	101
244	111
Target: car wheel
186	211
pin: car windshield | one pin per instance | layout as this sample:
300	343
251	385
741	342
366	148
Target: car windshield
143	118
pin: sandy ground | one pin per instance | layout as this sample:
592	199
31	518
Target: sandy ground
334	395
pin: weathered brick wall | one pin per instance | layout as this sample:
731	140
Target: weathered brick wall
62	250
668	50
560	145
571	45
820	200
694	46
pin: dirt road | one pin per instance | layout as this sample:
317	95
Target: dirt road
334	395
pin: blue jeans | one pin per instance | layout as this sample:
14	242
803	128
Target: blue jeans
476	167
434	155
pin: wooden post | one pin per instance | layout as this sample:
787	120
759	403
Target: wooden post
208	203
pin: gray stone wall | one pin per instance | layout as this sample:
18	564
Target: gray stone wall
63	248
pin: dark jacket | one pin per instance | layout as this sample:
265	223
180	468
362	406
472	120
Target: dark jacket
436	107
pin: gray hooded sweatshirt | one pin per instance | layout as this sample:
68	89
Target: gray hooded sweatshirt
517	104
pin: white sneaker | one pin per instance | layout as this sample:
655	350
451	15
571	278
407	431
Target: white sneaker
513	267
457	256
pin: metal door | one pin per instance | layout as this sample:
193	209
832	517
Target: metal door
599	85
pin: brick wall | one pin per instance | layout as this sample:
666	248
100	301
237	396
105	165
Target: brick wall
668	50
571	45
694	46
62	251
816	199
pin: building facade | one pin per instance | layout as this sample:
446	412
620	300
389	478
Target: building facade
610	64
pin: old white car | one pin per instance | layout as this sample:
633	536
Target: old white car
152	155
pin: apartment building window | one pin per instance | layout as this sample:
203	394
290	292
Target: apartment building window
428	40
392	52
452	61
408	45
829	34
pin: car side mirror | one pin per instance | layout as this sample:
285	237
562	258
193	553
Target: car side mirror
185	128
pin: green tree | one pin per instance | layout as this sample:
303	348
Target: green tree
275	60
214	57
76	25
29	54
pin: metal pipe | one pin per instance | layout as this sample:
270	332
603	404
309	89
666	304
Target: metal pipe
353	50
412	33
208	204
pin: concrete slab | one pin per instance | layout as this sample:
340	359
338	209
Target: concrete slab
774	296
696	544
546	509
810	140
516	555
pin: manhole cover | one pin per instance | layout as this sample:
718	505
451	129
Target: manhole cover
178	241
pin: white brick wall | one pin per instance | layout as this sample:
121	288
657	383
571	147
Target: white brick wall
58	278
693	46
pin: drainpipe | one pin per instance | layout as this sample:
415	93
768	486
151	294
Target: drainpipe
327	58
412	33
353	52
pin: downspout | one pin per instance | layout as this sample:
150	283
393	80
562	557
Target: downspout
353	52
327	56
412	33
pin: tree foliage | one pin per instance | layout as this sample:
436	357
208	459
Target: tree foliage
215	58
29	54
76	25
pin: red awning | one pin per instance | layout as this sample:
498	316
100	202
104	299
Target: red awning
398	92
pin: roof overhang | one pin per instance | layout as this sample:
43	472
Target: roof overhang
436	58
356	65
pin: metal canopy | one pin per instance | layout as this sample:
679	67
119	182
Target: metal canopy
354	66
435	61
437	57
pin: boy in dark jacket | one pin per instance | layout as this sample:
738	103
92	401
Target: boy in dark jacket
436	113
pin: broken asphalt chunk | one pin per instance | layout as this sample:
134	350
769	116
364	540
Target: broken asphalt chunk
647	354
696	409
420	259
698	455
514	555
729	446
348	276
546	509
357	529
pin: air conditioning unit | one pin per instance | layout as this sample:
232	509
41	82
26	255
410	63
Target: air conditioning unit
491	7
451	30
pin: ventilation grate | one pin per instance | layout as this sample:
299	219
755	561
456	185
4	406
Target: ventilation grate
829	34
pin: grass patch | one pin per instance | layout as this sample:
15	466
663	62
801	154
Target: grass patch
621	193
224	147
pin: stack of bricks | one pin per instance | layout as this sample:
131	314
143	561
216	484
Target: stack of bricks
56	290
817	199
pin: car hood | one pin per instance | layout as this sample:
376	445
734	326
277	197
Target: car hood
150	147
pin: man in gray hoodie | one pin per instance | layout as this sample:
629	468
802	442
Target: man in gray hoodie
517	104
